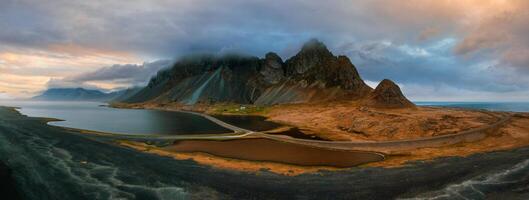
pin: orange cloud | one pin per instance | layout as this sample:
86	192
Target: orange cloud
25	70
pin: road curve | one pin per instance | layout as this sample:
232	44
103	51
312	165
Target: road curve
384	146
379	146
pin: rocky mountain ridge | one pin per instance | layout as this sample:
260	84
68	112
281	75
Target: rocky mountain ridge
314	74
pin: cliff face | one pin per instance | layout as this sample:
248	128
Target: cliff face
314	74
315	63
205	79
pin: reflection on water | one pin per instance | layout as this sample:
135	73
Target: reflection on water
92	116
296	133
254	123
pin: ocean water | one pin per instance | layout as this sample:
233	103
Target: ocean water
493	106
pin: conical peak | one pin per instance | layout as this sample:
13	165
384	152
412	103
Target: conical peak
314	45
386	83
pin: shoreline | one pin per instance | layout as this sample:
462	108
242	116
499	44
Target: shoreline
393	158
139	143
459	144
251	180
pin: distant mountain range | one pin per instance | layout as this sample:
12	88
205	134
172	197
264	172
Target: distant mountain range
81	94
314	74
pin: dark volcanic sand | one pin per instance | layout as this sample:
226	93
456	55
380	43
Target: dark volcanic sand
7	184
52	163
275	151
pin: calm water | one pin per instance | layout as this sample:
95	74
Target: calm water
92	116
494	106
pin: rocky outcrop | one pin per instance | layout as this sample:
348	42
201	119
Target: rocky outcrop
272	70
315	63
388	95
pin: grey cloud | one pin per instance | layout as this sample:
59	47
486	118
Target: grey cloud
125	74
62	83
128	73
170	28
377	60
384	39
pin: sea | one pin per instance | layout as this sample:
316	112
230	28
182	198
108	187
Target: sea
492	106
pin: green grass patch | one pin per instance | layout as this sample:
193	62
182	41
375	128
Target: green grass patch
238	109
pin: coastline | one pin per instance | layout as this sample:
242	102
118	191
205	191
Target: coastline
478	140
90	155
395	155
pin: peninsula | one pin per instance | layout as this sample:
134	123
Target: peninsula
323	96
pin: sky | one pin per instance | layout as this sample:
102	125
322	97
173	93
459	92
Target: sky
436	50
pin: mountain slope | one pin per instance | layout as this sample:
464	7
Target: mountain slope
314	74
121	95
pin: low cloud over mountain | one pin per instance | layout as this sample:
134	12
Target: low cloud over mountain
473	45
121	75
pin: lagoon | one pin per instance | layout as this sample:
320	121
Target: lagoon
97	117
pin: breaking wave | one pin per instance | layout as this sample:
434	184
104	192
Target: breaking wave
514	179
49	163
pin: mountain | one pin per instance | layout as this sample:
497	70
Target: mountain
388	95
314	74
81	94
204	78
71	94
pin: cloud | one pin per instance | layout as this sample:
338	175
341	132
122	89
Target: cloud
501	35
475	45
128	73
428	33
117	75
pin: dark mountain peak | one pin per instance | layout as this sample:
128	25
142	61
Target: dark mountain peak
273	57
314	45
313	54
313	71
388	95
315	63
272	69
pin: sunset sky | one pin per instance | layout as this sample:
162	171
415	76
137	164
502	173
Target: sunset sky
473	50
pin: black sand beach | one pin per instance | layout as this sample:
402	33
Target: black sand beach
54	163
